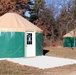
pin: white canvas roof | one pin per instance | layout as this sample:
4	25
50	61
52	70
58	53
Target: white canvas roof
15	22
71	34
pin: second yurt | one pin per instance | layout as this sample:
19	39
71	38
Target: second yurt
69	39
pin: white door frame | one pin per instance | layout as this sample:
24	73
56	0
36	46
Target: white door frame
30	47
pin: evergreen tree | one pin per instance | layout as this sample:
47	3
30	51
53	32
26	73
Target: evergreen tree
36	9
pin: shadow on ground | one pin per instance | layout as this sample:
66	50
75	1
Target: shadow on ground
45	51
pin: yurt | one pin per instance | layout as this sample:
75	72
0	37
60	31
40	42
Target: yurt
69	39
19	37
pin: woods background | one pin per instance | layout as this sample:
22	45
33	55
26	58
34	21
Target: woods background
53	21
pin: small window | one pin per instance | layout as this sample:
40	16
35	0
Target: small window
29	38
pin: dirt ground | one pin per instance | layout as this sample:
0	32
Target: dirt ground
65	70
10	68
60	51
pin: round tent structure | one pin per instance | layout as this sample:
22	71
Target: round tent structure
69	39
19	37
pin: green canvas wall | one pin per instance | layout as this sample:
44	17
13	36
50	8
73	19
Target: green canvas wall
39	42
11	44
69	42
